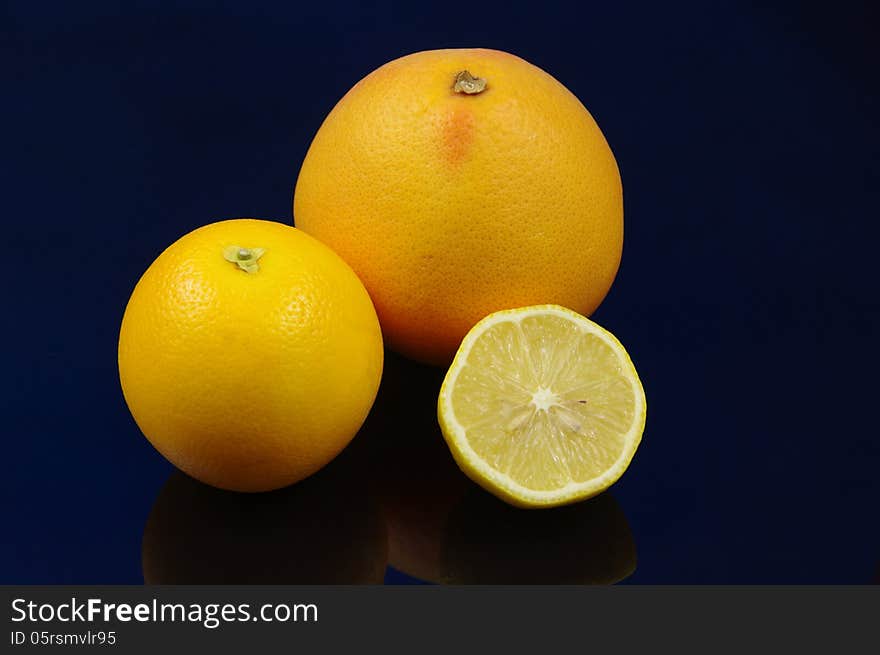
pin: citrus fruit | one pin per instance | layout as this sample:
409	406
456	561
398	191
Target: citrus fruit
461	182
541	406
249	354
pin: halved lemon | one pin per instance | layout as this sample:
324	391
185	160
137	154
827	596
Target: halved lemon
542	407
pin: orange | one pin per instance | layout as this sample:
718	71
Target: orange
249	354
461	182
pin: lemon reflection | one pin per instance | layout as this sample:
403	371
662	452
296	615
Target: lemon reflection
489	542
324	530
443	528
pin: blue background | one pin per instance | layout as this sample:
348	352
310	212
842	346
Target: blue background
747	140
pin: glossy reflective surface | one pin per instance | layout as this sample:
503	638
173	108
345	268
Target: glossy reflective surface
394	498
747	295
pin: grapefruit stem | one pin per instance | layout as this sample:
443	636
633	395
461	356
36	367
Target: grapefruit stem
244	258
467	83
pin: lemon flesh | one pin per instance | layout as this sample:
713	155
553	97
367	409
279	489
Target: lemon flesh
542	407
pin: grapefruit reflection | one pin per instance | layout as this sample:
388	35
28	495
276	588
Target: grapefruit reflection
417	481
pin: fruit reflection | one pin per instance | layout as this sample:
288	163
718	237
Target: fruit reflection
489	542
324	530
443	528
415	477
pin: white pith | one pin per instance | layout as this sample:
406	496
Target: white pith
544	398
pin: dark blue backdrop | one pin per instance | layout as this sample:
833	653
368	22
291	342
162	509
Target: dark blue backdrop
747	140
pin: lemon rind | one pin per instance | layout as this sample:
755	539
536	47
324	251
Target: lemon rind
502	485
